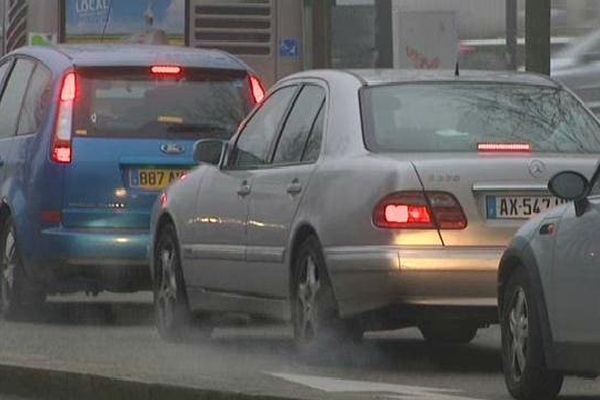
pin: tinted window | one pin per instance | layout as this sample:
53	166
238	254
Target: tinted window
255	141
458	117
313	146
13	97
299	124
134	103
36	101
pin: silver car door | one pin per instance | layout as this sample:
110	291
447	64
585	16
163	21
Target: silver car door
278	190
220	223
576	277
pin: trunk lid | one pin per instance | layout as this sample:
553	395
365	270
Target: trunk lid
134	131
483	184
103	188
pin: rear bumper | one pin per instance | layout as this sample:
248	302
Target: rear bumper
91	259
371	278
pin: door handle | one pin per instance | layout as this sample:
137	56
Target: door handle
295	187
244	189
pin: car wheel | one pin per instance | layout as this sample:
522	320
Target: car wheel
20	297
457	332
315	316
172	313
525	373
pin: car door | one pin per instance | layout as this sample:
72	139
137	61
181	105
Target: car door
218	239
576	277
278	189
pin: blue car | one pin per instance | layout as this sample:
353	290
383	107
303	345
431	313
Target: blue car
89	136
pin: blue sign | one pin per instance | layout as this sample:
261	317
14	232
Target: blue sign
289	48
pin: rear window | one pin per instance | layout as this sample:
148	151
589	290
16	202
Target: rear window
135	103
459	117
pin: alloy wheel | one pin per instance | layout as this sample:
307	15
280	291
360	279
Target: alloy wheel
167	290
518	320
9	266
307	300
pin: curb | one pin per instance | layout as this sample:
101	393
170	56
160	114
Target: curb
47	384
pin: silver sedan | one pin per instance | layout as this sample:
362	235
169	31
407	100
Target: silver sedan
366	200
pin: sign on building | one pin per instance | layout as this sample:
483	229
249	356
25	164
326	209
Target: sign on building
118	20
425	40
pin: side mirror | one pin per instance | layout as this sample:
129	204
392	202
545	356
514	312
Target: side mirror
209	151
572	186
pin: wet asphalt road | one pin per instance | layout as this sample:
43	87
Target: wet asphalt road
113	335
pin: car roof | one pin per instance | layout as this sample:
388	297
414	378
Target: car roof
376	77
129	55
372	77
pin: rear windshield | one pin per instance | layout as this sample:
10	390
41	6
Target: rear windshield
459	117
135	103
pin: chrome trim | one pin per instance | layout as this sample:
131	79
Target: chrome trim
509	187
265	254
214	252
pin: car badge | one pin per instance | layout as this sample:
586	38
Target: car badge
537	168
172	148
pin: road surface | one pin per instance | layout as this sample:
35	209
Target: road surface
113	335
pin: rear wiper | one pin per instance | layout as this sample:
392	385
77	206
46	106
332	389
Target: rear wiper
208	128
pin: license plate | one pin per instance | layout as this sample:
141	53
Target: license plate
519	207
154	179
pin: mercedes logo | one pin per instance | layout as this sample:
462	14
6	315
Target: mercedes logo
537	168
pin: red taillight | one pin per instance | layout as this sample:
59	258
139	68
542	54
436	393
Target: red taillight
51	217
419	210
257	89
62	152
166	70
69	88
504	147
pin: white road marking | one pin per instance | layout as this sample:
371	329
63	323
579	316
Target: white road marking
389	390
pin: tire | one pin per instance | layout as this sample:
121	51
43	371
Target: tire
525	372
20	298
314	309
448	332
171	307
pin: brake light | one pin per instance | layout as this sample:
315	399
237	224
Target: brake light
62	152
419	210
257	89
504	147
166	70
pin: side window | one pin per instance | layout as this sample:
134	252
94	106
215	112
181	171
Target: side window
254	143
13	97
299	125
313	145
36	101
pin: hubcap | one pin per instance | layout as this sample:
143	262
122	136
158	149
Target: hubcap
307	307
9	265
518	321
167	289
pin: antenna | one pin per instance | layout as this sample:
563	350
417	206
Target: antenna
457	70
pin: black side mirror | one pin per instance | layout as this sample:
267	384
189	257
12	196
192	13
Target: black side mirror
572	186
209	151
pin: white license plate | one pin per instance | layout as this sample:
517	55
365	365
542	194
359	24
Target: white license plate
519	207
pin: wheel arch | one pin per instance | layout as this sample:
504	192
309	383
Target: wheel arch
519	255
